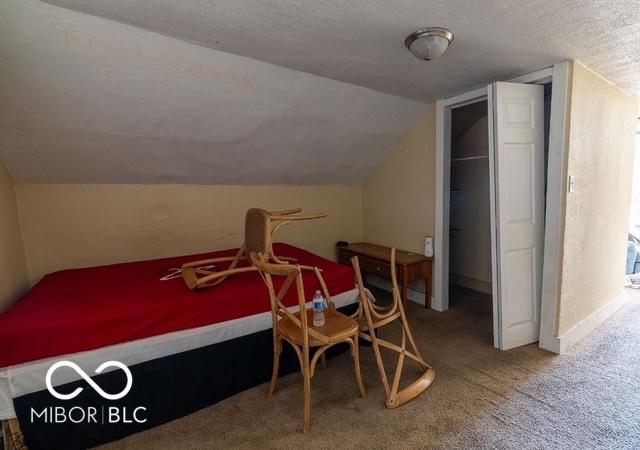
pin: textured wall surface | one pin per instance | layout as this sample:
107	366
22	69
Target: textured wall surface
88	100
67	226
399	196
601	148
13	269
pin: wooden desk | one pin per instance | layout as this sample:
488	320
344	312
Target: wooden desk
375	259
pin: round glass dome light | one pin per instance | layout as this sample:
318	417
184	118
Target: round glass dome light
429	43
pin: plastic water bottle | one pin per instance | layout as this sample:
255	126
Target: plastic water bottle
318	309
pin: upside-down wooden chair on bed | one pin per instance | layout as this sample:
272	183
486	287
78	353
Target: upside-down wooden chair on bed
296	330
371	318
259	228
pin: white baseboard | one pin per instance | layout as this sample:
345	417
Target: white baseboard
412	294
471	283
560	344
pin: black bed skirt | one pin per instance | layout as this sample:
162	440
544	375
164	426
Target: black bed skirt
167	388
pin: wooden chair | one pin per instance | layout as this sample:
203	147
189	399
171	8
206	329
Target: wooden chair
259	228
371	318
295	328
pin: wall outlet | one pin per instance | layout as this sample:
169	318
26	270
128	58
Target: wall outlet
428	246
572	183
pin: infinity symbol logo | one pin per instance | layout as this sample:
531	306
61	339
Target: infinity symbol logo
86	378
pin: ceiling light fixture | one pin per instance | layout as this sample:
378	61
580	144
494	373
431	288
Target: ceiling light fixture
429	43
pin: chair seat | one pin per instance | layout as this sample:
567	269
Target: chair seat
190	278
336	327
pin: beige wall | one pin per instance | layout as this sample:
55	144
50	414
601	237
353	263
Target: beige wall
601	146
399	196
13	270
67	226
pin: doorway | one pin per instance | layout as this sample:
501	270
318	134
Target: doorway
470	267
632	269
517	192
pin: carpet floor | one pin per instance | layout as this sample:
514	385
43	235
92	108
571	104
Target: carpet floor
481	398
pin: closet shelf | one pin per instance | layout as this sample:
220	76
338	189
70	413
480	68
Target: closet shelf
469	158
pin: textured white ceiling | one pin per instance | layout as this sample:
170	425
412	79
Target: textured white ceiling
88	100
361	41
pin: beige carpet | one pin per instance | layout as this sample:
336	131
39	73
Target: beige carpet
482	398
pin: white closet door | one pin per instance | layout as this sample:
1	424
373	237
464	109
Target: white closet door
517	131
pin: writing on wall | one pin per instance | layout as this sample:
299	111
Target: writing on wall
170	64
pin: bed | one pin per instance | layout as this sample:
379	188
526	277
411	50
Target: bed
185	349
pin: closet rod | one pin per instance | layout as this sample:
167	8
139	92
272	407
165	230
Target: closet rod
469	158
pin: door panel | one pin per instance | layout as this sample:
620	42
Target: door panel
520	264
518	146
520	205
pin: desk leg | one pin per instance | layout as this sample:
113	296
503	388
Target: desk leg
405	283
427	290
427	286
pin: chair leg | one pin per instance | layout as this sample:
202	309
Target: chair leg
277	350
306	374
356	362
323	358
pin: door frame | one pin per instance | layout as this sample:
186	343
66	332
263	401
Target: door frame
560	76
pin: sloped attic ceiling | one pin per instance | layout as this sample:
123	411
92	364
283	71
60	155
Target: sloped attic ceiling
88	100
361	41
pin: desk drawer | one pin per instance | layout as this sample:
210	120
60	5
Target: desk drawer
375	267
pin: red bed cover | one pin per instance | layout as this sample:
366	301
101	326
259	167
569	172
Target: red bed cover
84	309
